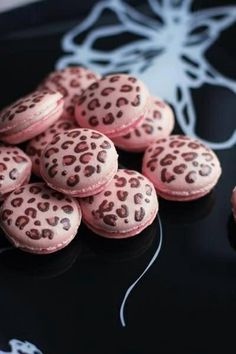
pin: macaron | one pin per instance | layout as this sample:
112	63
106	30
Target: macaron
37	219
158	123
233	202
80	162
70	82
15	169
113	105
30	116
181	168
125	208
35	146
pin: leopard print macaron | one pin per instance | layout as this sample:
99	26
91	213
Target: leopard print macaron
38	219
113	105
35	146
158	123
181	168
126	207
15	169
30	116
80	162
71	83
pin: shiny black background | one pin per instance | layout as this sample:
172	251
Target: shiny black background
68	303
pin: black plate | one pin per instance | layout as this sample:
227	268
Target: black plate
71	302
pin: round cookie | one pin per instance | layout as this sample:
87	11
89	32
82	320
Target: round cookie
181	168
38	219
35	146
15	169
113	105
80	162
158	123
30	116
126	207
233	203
70	82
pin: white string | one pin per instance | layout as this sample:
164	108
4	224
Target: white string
122	319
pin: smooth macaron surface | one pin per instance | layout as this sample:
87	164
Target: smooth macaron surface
15	169
233	203
80	162
158	123
70	82
113	105
35	146
181	168
126	207
30	115
38	219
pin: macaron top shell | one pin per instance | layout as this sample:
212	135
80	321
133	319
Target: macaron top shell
158	122
28	110
15	168
233	202
39	219
180	166
113	105
124	208
79	162
71	82
35	146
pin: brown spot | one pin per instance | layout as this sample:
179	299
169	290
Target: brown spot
34	234
93	104
110	219
47	233
138	198
68	160
102	156
5	214
167	160
205	170
68	209
139	214
73	180
50	152
189	156
66	223
93	121
126	88
66	144
122	101
166	176
107	91
35	189
16	202
31	212
89	171
108	119
86	157
136	101
52	171
123	211
191	177
53	221
122	195
179	169
81	147
105	145
43	206
22	221
120	181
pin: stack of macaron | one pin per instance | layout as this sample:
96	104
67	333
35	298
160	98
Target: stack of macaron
73	123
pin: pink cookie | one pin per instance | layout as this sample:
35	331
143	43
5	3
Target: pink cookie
71	82
158	123
38	143
30	116
126	207
113	105
181	168
233	202
80	162
39	220
15	169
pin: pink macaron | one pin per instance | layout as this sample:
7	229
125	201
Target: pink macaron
113	105
233	203
15	169
71	82
38	219
158	123
181	168
35	146
80	162
126	207
30	116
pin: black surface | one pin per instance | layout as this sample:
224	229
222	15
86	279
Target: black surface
69	302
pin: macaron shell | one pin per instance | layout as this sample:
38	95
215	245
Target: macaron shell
35	146
79	162
39	220
181	168
70	82
113	105
233	202
158	123
28	109
124	208
15	169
